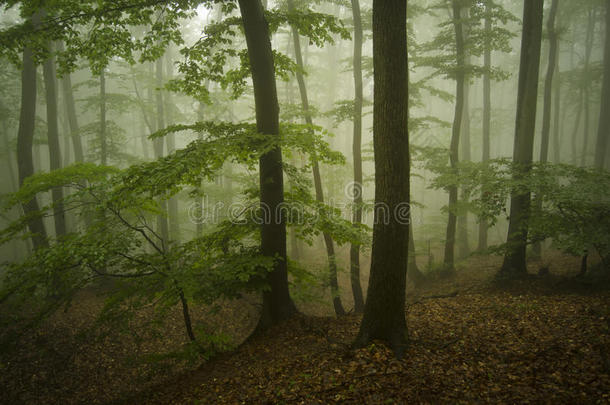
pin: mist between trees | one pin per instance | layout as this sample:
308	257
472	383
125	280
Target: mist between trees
187	152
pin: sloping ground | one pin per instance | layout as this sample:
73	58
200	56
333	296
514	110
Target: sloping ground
489	346
543	341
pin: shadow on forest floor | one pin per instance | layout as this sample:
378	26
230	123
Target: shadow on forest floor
544	340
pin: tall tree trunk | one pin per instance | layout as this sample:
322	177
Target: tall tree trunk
413	271
162	225
103	135
603	129
587	86
172	204
25	140
546	114
57	193
70	105
465	155
277	304
557	128
483	226
317	179
354	252
514	260
384	310
574	138
448	261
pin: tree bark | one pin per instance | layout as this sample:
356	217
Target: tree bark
448	260
354	252
546	113
57	193
277	304
603	129
317	179
68	95
587	86
25	140
384	310
514	260
483	226
170	140
162	225
103	135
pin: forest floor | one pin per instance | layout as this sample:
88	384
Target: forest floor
544	340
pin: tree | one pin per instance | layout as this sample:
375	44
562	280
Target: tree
384	311
25	139
354	252
514	260
57	193
317	179
548	87
460	78
70	105
485	145
603	130
277	304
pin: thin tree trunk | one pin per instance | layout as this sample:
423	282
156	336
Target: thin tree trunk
463	247
57	193
384	310
603	130
162	225
448	261
587	86
413	272
574	138
277	304
25	139
317	179
557	128
70	105
483	226
514	260
546	114
354	252
172	204
103	135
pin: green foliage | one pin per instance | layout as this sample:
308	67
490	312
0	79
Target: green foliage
574	203
214	55
440	54
115	239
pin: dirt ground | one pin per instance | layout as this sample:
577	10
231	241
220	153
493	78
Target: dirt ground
545	340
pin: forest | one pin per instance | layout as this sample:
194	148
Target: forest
304	202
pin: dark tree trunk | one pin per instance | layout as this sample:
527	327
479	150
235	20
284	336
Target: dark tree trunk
463	247
448	261
162	225
25	140
514	260
277	304
70	105
57	193
603	130
483	226
384	311
354	252
546	114
317	179
413	271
